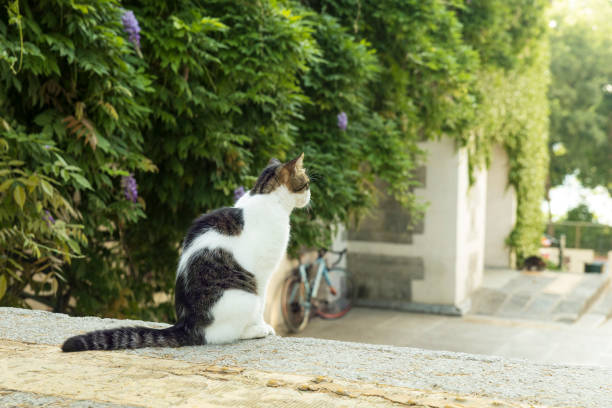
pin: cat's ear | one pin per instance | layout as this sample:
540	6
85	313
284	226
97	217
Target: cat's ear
273	161
295	164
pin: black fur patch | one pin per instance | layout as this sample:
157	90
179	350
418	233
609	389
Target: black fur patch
267	181
209	273
132	337
227	221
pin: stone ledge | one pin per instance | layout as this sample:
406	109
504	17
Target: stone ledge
275	369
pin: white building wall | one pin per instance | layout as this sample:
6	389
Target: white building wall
501	210
456	214
452	244
471	214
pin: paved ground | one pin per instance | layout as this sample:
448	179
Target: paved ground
276	371
500	325
534	341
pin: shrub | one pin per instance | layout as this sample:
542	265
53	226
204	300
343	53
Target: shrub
71	104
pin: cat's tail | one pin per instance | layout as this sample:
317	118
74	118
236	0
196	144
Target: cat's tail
132	337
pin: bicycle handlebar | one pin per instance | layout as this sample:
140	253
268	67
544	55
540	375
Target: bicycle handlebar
323	251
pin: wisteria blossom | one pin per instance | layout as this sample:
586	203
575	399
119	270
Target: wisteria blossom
130	26
49	218
342	120
130	188
239	192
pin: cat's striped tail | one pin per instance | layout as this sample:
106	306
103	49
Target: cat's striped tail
132	337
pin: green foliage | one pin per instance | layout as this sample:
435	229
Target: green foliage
524	134
512	109
70	129
473	71
582	230
501	30
370	147
37	233
427	70
581	94
580	213
597	237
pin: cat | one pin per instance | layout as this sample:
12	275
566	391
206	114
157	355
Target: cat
227	259
534	262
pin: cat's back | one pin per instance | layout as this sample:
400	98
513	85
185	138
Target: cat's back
228	221
255	232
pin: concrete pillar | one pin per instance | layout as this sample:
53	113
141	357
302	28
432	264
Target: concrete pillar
436	267
501	210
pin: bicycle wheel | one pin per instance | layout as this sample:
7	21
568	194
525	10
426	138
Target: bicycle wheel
292	304
337	305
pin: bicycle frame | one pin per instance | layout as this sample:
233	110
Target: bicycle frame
310	291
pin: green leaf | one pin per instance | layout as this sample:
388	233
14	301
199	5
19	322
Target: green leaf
6	184
19	195
73	245
82	181
46	188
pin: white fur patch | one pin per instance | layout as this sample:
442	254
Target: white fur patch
232	313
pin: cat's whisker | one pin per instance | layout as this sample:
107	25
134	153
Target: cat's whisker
315	179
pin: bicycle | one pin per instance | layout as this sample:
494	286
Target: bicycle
299	292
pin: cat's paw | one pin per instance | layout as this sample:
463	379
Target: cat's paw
271	331
257	331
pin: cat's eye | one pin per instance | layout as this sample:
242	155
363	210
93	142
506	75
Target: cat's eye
304	186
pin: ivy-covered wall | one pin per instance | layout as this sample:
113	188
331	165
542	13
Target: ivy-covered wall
122	121
511	87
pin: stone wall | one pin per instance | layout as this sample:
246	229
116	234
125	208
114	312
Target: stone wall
275	371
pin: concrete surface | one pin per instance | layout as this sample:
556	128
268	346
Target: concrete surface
541	342
279	369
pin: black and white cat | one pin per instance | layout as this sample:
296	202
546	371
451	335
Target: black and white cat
228	257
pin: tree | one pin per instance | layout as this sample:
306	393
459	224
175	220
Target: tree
581	93
580	213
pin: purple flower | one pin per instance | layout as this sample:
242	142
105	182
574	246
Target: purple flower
49	218
342	120
130	188
130	26
239	192
47	147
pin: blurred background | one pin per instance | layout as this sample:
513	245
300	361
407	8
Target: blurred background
459	150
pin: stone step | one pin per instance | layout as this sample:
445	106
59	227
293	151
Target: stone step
545	296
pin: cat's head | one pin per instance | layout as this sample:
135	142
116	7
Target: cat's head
287	179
